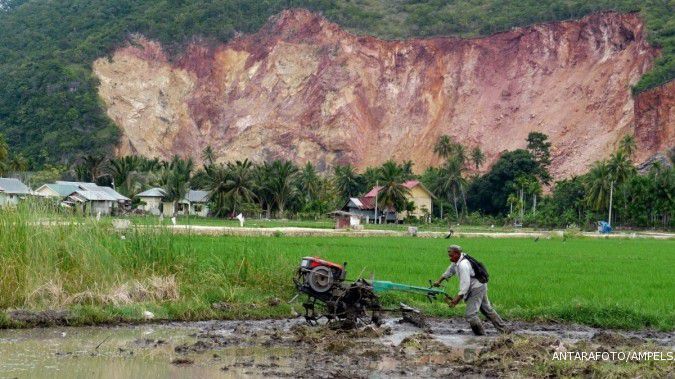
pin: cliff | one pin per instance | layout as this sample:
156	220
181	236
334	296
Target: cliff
304	89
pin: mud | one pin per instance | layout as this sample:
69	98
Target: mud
290	348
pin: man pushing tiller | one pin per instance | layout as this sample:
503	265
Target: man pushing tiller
473	278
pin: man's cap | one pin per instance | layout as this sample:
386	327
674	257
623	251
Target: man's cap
455	248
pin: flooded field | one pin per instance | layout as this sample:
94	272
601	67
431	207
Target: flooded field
289	348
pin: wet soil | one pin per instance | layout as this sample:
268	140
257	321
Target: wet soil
290	348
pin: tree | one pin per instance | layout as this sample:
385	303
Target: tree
239	184
4	148
449	182
121	170
95	165
176	179
619	168
539	147
208	156
490	191
392	194
627	145
477	157
598	186
18	163
443	146
347	181
282	181
309	183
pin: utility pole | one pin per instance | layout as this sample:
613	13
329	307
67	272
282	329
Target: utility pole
377	190
611	195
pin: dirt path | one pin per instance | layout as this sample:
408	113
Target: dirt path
303	232
289	348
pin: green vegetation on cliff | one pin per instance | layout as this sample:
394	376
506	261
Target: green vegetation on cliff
49	108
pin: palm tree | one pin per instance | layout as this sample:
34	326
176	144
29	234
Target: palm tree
347	181
282	181
177	179
392	194
4	148
627	145
239	184
477	157
598	186
262	175
309	182
208	156
121	169
18	163
443	146
619	169
217	176
450	182
95	165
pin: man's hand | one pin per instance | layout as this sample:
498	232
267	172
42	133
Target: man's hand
452	303
437	283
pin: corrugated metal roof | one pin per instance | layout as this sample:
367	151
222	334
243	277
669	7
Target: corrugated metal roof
14	186
152	192
91	187
62	189
94	195
197	196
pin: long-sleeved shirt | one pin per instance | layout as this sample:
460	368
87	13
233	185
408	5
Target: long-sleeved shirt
465	273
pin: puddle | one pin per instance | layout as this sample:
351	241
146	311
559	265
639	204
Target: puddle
269	348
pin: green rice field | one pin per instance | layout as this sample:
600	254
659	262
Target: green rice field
101	275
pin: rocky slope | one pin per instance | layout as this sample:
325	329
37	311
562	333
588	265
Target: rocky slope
304	89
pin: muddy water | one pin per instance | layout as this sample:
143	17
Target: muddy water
272	348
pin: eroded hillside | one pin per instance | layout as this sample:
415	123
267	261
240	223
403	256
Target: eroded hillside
304	89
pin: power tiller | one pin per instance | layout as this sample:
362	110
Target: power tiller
331	296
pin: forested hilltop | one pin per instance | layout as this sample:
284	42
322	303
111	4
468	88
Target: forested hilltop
49	109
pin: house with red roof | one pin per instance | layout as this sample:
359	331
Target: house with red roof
418	194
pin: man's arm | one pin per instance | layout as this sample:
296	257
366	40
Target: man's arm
464	281
446	275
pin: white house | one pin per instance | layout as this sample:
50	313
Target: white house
195	203
11	190
151	200
90	198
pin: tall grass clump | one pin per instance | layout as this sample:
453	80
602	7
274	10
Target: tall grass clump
50	258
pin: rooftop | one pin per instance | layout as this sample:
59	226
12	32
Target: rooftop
13	186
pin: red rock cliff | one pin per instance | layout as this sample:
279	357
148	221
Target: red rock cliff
304	89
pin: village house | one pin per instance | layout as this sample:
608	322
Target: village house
11	191
88	198
195	203
151	200
418	194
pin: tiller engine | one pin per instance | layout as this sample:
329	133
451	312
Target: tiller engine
331	296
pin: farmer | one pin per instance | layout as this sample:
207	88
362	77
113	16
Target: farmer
472	291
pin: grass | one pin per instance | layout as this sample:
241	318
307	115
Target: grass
98	276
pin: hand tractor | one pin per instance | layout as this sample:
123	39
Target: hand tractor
331	296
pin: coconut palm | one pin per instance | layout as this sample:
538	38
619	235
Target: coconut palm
477	157
619	169
262	175
392	194
450	183
443	146
347	181
627	145
598	184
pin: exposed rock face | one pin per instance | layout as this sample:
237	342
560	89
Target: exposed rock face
655	120
306	90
